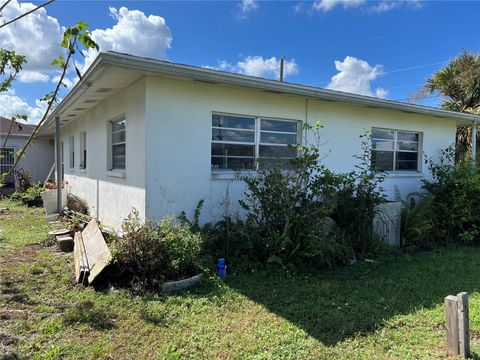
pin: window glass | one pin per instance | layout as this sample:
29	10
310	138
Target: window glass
278	138
382	160
407	136
242	143
277	151
382	144
382	134
233	135
72	151
395	150
118	144
233	150
277	125
236	122
83	150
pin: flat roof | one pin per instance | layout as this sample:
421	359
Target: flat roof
128	68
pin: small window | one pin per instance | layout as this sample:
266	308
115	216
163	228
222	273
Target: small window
83	150
72	151
394	150
249	143
118	144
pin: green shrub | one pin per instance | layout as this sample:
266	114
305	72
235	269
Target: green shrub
34	192
455	203
151	253
417	221
289	213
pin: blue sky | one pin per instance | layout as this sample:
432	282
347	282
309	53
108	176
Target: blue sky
378	48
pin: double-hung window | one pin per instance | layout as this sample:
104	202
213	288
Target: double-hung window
395	150
250	143
118	144
83	150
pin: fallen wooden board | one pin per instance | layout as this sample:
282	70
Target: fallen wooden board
81	266
97	253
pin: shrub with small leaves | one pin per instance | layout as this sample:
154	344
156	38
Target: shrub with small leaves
152	252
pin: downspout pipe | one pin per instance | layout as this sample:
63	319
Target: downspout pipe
58	164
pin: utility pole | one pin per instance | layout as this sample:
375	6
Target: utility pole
282	66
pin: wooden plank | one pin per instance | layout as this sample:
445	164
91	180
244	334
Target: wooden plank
463	325
81	267
451	325
97	253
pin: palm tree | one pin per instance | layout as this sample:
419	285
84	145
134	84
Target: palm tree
458	83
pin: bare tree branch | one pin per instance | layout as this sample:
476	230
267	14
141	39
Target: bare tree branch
8	134
3	6
25	14
44	118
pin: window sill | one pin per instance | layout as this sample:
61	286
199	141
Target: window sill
400	174
117	174
82	171
229	175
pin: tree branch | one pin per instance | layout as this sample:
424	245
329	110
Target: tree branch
44	118
25	14
4	5
8	134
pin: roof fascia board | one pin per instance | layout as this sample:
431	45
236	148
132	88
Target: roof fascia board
172	69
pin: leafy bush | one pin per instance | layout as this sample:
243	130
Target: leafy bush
151	253
290	208
417	221
34	192
455	202
24	180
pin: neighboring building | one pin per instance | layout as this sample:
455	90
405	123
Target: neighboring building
38	158
160	136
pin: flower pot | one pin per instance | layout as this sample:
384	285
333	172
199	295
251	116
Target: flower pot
49	198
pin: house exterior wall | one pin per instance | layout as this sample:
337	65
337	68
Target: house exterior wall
110	195
38	158
178	138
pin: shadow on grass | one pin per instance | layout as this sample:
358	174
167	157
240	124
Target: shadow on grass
86	312
358	299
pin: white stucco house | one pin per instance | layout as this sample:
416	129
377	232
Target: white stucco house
160	136
38	158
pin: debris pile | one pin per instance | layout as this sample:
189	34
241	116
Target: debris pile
90	251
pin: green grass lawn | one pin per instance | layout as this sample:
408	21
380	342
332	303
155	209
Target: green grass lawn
388	309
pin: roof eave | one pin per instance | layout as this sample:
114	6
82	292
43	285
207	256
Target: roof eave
159	67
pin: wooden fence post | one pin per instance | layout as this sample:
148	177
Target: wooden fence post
451	325
463	325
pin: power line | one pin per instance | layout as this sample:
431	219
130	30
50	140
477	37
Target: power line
414	67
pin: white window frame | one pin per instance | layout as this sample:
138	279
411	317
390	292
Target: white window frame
83	150
395	150
4	152
257	137
71	152
111	144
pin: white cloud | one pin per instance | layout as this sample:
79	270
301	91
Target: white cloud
387	5
36	36
247	6
327	5
258	66
11	105
28	76
378	7
356	76
134	33
68	82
